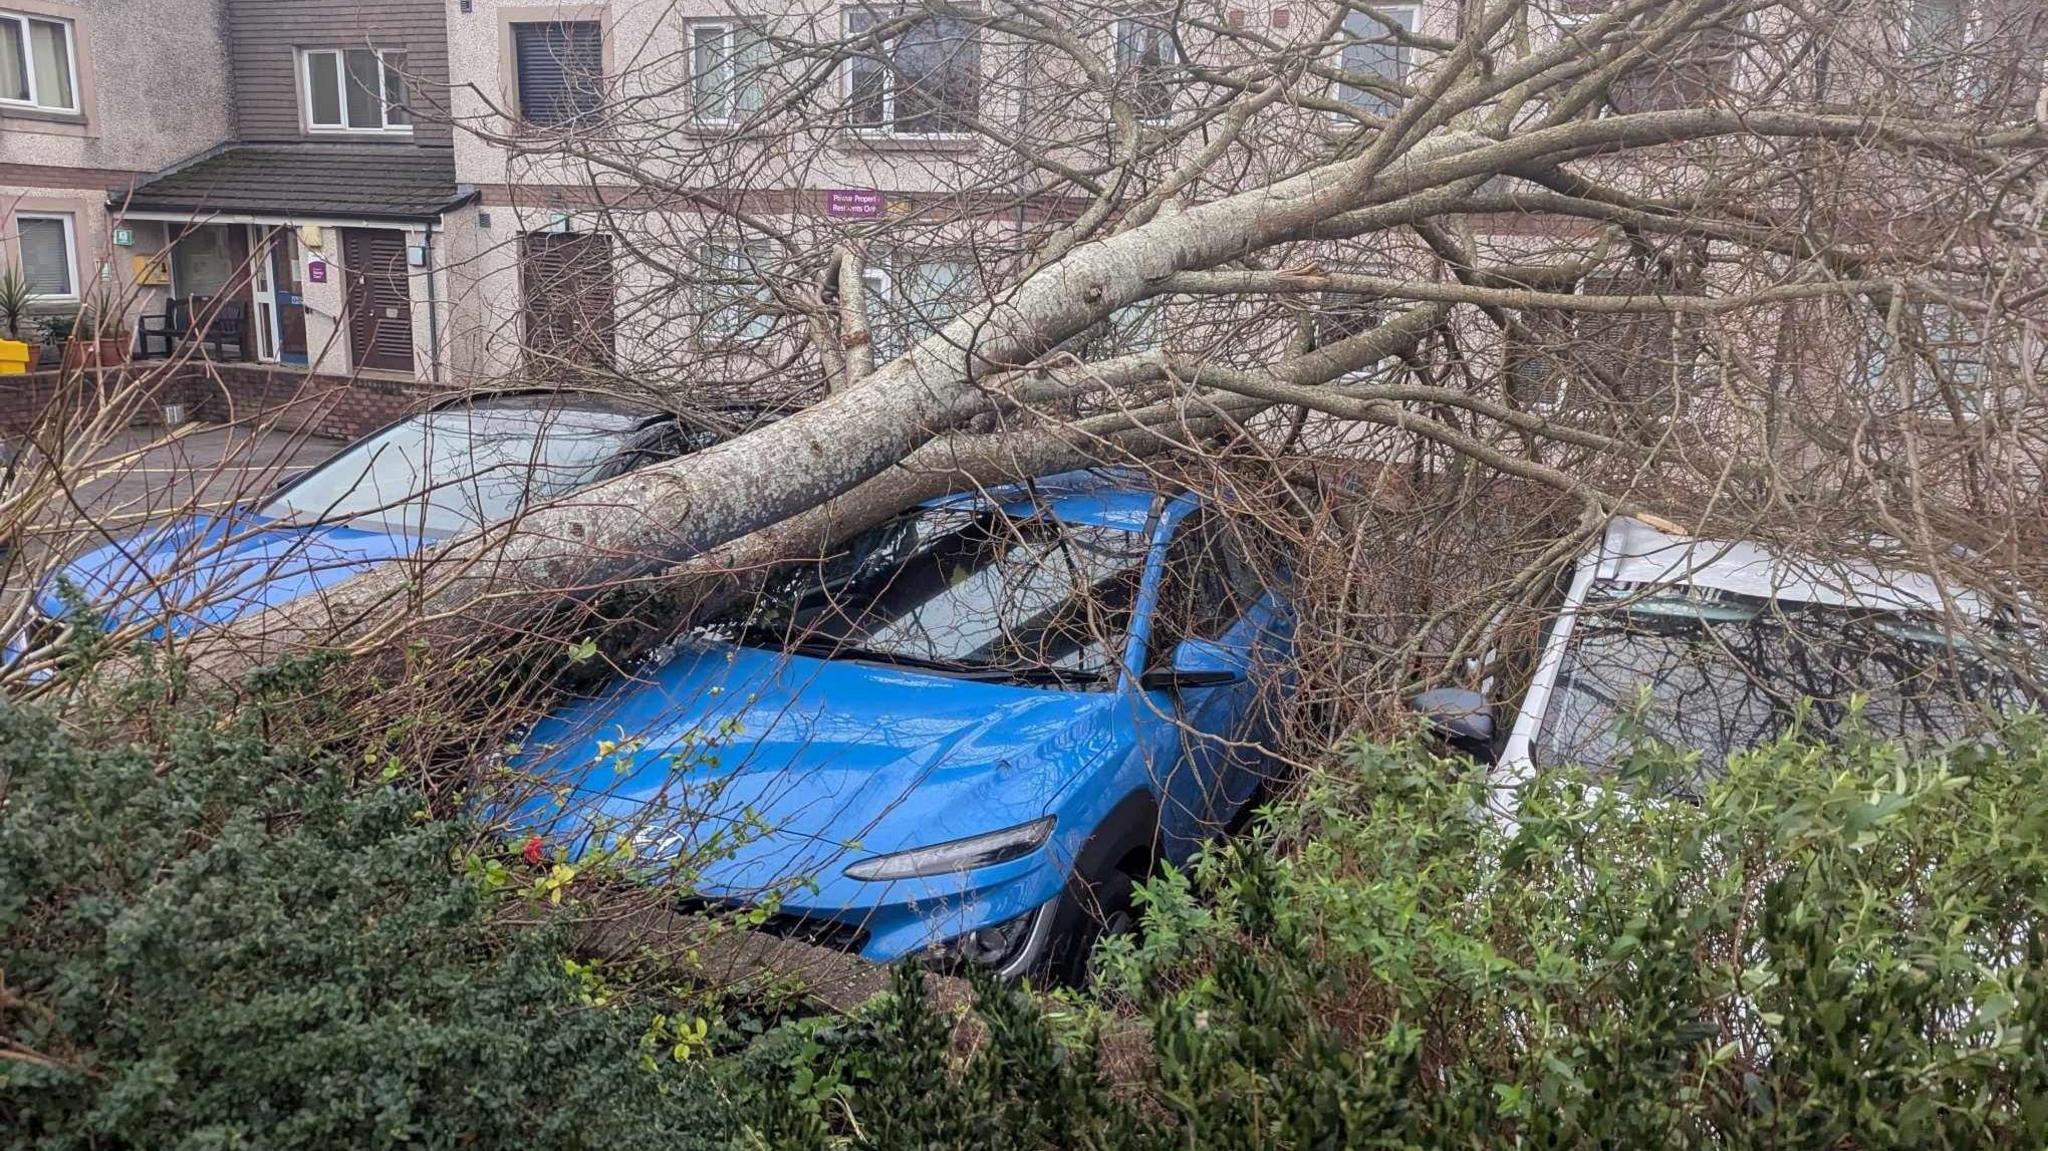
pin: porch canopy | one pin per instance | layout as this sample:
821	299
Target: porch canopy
301	183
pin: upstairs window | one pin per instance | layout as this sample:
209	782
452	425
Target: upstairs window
355	90
38	64
1937	28
728	61
923	79
1146	61
560	66
1372	50
1980	51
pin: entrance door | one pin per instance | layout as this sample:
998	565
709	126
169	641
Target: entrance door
291	303
379	303
571	321
263	289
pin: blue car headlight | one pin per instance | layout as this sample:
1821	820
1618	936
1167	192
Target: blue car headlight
956	855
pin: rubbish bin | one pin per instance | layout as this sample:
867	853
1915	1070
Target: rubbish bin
13	357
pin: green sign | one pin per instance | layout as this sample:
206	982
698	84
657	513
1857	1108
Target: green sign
124	237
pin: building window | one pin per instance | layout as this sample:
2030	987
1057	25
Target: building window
1987	51
560	66
1146	61
1372	51
1944	351
736	292
38	63
1936	28
49	254
1342	315
922	79
908	301
1538	375
355	90
728	61
1129	330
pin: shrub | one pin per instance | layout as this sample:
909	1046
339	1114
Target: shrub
215	942
1839	945
210	938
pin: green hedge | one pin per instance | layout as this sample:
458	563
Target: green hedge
216	943
1838	946
210	938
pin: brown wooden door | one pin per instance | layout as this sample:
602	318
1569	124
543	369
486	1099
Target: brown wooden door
566	280
379	302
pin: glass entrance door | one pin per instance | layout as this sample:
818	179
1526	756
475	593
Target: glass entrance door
263	288
291	306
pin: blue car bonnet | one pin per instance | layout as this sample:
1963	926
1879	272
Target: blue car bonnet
774	770
205	570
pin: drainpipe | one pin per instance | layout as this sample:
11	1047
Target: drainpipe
433	303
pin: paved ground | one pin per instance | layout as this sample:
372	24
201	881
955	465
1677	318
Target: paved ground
146	475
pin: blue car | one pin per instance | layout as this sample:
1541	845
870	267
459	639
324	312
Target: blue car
456	467
966	734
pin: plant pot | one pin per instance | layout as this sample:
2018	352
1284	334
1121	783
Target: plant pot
103	353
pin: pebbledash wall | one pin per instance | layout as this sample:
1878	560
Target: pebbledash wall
341	407
152	89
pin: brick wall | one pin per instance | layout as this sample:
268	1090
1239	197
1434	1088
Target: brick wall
335	406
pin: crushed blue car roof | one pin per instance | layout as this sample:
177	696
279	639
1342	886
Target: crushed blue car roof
1121	498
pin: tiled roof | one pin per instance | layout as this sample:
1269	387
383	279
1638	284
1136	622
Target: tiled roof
307	180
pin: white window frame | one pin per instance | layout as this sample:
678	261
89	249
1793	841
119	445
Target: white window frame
1119	67
70	223
1968	19
1952	343
1363	99
895	324
887	129
28	48
732	76
1556	384
737	260
344	128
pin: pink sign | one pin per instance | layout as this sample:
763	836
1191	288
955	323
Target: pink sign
316	271
854	203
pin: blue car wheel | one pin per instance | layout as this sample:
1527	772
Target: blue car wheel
1099	898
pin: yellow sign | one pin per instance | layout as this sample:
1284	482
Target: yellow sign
152	271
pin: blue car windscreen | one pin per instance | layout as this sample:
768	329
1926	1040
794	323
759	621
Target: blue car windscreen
968	590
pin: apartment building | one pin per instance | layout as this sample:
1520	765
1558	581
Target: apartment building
476	190
266	169
571	258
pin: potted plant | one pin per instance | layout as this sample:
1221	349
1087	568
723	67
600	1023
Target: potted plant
15	320
97	337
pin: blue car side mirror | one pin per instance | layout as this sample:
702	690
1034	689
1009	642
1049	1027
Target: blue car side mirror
1197	663
1459	717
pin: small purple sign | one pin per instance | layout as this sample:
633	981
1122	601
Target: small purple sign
854	203
316	271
